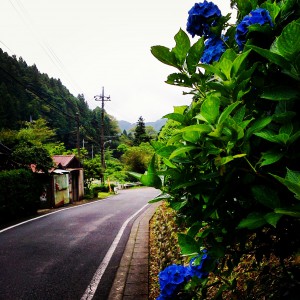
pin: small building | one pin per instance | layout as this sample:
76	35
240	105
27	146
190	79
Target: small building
75	171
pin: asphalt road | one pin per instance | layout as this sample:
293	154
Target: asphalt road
57	256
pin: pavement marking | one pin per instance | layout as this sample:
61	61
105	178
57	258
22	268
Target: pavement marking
91	289
47	214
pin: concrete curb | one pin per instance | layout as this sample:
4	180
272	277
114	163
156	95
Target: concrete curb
131	281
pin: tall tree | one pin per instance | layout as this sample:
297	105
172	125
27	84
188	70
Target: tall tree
140	134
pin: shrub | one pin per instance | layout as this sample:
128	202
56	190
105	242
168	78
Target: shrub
19	194
231	171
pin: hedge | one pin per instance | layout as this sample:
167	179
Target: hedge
19	194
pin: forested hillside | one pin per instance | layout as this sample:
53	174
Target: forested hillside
26	94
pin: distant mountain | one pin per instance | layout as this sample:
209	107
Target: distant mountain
157	125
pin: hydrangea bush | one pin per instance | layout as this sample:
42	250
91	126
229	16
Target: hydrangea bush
231	167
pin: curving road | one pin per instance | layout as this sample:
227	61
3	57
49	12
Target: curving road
72	253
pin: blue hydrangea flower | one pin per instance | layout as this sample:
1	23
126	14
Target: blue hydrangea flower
214	48
201	17
170	279
258	16
197	269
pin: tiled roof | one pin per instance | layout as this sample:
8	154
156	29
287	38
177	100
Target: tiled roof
64	160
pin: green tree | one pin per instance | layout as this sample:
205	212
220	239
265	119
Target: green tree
140	134
137	158
36	132
26	154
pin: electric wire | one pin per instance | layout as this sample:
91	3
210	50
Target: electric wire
45	46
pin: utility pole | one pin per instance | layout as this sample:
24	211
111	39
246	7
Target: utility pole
102	98
78	143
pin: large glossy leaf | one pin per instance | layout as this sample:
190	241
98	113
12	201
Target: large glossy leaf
182	150
165	151
237	64
151	178
288	43
272	218
191	136
194	55
160	198
292	182
164	55
227	111
200	128
272	137
210	109
258	125
225	66
179	79
182	46
214	70
272	57
187	244
270	157
176	117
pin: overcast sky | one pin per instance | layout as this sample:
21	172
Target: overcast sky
90	44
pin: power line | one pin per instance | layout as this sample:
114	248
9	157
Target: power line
29	89
47	49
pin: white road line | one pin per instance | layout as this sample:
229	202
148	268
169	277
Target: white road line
47	214
91	289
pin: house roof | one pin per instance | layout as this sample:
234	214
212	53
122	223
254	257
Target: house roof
66	161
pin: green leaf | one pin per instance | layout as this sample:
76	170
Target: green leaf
187	244
272	218
194	55
272	137
164	55
257	126
210	109
270	157
238	63
214	70
168	163
273	9
178	205
272	57
180	109
288	211
151	178
200	128
176	117
288	43
191	136
227	111
182	46
179	79
165	151
182	150
225	66
160	198
280	93
290	182
266	196
136	175
252	221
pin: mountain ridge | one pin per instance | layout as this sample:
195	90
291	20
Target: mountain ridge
157	125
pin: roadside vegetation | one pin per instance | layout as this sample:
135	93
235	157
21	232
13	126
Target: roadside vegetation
230	169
